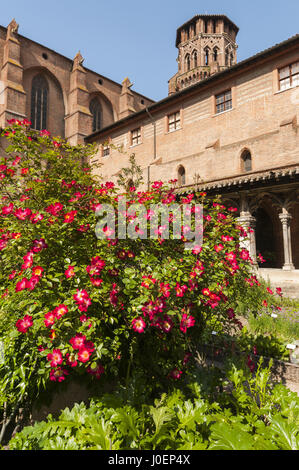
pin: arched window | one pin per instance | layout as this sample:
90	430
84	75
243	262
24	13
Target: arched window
39	102
246	161
181	176
195	59
207	54
188	62
226	58
96	111
215	54
231	59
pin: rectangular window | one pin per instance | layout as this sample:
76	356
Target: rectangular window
106	150
136	136
289	76
224	102
174	121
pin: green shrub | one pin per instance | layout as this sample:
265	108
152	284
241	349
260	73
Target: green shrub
250	415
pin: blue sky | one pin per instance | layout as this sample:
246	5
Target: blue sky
136	38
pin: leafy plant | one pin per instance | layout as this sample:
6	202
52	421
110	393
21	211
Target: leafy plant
254	418
77	301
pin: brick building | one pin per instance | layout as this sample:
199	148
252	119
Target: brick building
58	93
228	128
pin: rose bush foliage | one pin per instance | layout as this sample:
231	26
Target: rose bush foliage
76	305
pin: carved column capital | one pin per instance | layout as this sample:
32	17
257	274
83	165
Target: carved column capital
285	218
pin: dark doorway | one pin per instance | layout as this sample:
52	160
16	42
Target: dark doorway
265	242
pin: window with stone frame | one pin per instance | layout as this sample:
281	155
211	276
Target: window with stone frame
39	102
174	121
136	136
105	150
96	111
224	101
289	76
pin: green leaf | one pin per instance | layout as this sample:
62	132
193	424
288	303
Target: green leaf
226	437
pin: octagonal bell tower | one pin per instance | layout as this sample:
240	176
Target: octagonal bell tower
206	45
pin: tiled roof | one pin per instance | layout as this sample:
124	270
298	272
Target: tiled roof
235	182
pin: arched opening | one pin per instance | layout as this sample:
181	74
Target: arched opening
265	239
231	60
215	54
96	111
39	102
188	62
207	56
246	161
181	176
195	61
226	58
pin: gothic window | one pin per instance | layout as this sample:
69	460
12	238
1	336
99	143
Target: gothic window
207	53
289	76
195	59
39	102
188	62
215	54
181	176
226	58
246	161
223	101
96	111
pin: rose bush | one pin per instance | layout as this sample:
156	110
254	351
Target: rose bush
74	304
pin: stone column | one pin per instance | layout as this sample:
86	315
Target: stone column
248	222
285	219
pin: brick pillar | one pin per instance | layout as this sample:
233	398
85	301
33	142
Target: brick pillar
79	119
12	93
285	219
126	100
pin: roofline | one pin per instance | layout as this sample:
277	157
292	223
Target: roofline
254	177
196	17
71	62
202	84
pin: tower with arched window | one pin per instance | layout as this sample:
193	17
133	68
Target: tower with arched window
206	45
